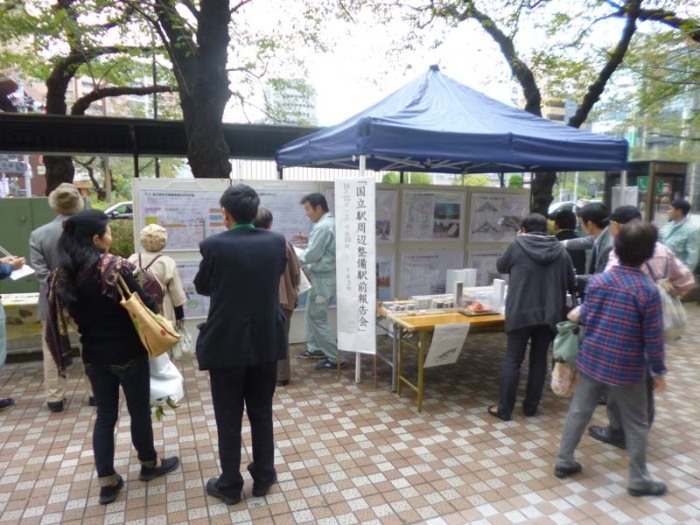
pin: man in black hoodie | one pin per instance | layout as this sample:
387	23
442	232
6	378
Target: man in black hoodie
541	273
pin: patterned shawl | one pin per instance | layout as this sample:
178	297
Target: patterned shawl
109	266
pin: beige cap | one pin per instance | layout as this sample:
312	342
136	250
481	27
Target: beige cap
154	237
66	199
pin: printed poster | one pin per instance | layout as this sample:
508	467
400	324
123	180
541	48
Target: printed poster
196	306
425	273
189	216
447	343
496	217
432	216
385	276
288	217
485	264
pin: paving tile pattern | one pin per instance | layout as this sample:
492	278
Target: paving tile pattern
349	453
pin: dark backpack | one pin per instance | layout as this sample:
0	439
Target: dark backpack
149	283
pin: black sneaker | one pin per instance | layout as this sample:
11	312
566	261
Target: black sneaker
6	403
109	493
329	365
91	401
311	355
166	465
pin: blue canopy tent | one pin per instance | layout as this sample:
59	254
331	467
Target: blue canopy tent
437	124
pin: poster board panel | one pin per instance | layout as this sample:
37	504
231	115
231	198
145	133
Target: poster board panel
484	260
423	272
433	213
189	209
495	214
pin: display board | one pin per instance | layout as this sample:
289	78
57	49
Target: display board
496	217
432	215
441	227
424	272
196	306
283	200
485	263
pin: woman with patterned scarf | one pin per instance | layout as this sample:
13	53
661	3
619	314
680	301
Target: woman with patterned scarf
84	287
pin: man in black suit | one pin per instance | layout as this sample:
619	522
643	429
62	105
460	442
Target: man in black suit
242	339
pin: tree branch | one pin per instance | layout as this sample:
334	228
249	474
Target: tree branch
239	5
689	26
83	103
524	75
596	89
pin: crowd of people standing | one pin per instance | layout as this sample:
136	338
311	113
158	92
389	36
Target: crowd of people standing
252	274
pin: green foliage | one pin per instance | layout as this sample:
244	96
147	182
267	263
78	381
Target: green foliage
515	181
473	179
393	177
122	237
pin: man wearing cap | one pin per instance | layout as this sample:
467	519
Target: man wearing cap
65	201
681	235
662	264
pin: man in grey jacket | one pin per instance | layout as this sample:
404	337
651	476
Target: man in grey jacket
594	221
65	201
541	273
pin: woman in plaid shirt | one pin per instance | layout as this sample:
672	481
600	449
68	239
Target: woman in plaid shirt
623	343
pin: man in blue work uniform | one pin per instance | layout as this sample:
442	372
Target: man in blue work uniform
319	260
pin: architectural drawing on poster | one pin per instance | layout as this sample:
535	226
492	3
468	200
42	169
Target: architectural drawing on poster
485	264
189	216
432	216
423	273
496	217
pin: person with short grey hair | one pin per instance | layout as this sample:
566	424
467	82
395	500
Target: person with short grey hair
65	201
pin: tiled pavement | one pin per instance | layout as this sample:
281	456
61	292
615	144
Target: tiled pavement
350	453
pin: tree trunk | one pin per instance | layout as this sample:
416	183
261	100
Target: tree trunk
541	191
58	170
207	150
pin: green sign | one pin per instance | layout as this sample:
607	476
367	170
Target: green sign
642	183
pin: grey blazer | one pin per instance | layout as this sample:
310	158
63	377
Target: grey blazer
605	246
43	254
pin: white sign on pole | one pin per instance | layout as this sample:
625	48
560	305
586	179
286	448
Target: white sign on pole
356	264
448	340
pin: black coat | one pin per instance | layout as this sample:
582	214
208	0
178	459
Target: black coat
240	270
578	257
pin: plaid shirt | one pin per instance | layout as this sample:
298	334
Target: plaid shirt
624	328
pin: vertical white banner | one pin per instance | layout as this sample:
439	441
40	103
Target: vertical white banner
356	270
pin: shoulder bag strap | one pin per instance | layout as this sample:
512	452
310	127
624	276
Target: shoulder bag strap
150	263
122	287
651	272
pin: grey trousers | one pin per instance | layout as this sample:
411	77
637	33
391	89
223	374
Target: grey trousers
632	403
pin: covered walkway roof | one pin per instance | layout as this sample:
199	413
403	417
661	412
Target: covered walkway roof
64	135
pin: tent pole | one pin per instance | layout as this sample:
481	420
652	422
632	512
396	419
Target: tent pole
623	187
400	176
280	176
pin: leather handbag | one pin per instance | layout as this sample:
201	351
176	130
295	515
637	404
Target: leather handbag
157	333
